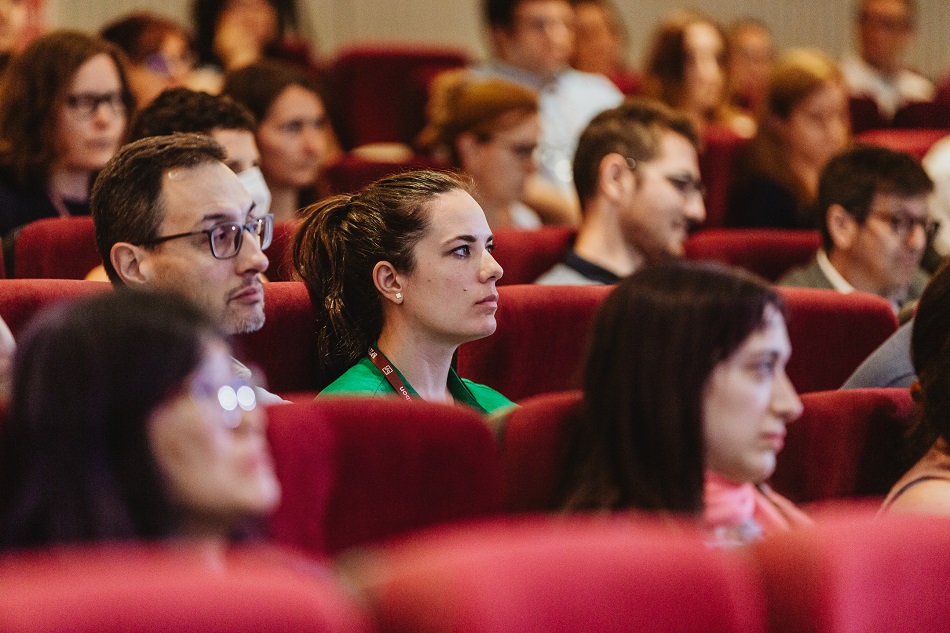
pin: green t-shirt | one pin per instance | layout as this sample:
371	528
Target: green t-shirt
365	378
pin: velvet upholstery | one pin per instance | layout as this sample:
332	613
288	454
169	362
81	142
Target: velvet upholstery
284	349
570	575
351	173
178	589
542	334
923	114
851	574
769	253
380	89
846	444
358	470
56	248
916	142
527	254
718	161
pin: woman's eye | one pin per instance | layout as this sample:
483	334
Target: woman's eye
490	248
462	251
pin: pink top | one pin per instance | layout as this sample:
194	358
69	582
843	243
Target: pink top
737	514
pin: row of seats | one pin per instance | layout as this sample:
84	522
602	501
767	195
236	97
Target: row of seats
65	248
366	474
539	344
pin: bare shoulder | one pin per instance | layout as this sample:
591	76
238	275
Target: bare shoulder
931	496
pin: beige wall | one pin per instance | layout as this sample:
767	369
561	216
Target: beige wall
822	23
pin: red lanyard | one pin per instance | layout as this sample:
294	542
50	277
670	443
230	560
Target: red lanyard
389	372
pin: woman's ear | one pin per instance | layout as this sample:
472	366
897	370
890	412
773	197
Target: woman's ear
387	282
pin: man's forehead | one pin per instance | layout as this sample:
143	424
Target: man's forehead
915	204
674	149
208	189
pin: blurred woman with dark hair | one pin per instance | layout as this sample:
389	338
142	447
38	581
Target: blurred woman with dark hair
158	51
127	422
686	401
293	133
64	105
686	69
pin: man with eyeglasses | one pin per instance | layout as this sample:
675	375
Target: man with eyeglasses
885	29
170	215
874	225
533	41
637	175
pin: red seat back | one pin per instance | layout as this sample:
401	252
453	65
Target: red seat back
865	114
722	150
916	142
541	338
571	575
56	248
846	444
285	348
356	470
175	589
381	89
540	341
832	333
853	574
351	172
923	114
526	255
769	253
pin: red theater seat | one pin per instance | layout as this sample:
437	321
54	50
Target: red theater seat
174	589
865	114
540	341
542	334
56	248
351	172
923	114
914	142
846	444
722	150
526	255
283	348
832	333
381	89
769	253
571	575
852	574
357	470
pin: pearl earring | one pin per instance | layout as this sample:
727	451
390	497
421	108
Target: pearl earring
398	296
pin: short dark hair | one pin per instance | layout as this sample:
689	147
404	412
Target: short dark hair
501	13
860	10
75	460
34	86
184	110
340	241
634	130
258	85
141	34
126	201
655	341
852	179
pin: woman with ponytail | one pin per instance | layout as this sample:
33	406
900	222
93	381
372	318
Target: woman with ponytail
400	275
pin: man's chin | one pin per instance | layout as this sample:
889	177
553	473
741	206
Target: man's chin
244	323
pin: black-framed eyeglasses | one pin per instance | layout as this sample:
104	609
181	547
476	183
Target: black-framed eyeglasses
86	104
903	225
225	239
686	184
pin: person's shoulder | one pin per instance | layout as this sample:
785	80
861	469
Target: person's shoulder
928	496
563	275
807	276
361	378
489	399
595	87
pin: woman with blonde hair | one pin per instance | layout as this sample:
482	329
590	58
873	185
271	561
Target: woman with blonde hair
686	69
804	123
489	129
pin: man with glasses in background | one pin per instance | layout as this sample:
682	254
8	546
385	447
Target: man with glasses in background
885	29
170	215
874	224
637	176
